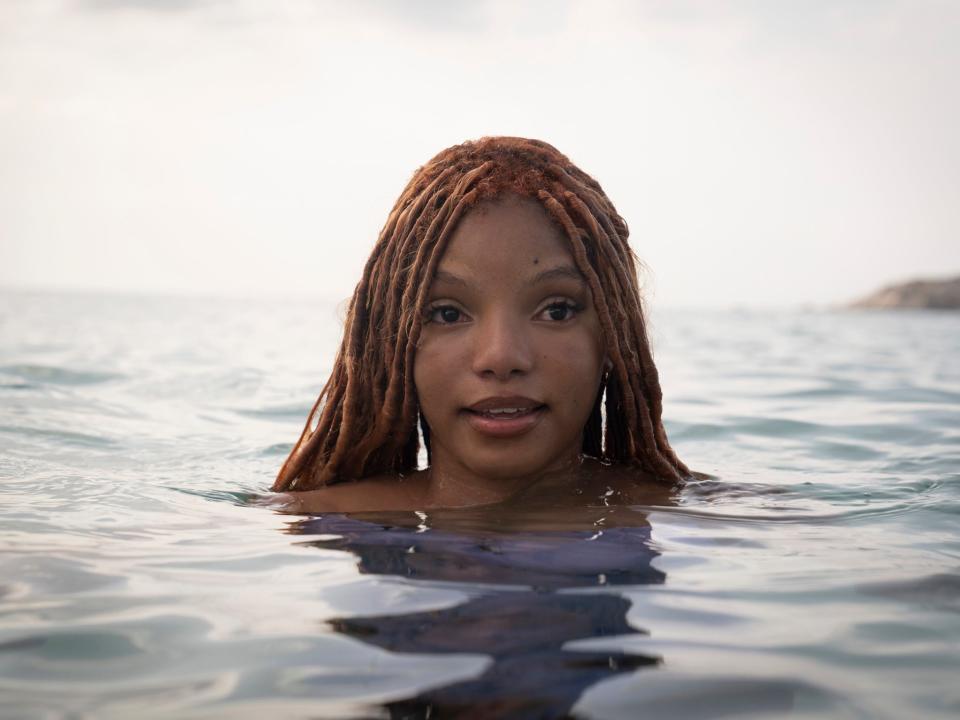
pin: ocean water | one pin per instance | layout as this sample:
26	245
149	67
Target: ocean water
816	575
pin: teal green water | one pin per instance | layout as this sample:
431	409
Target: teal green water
818	574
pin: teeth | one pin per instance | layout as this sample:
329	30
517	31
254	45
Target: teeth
507	411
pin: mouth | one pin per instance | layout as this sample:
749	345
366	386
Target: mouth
504	417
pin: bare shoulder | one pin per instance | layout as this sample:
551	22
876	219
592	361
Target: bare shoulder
383	492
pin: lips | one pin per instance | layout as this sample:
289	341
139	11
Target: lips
504	417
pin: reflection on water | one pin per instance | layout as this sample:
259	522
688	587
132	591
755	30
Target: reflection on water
531	675
518	613
820	573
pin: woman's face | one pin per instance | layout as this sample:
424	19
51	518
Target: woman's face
510	357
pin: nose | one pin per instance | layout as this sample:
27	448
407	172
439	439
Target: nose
502	348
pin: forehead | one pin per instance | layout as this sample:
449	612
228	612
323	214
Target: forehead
513	229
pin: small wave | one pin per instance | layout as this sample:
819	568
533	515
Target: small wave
735	427
49	374
920	490
916	394
701	696
773	427
276	412
61	436
239	498
844	451
786	515
941	591
801	502
680	431
74	646
830	389
277	449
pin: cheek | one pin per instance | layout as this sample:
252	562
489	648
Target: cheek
433	371
581	353
576	368
580	381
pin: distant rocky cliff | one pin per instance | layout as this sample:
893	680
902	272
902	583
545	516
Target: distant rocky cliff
933	294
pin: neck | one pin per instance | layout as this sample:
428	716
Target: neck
455	486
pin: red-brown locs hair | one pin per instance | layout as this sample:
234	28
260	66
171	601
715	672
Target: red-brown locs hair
365	421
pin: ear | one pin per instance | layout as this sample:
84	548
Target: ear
607	365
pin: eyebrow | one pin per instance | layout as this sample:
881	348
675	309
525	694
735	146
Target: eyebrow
561	271
448	277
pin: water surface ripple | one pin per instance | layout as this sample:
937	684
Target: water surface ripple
815	574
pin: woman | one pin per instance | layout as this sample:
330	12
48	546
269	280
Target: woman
500	306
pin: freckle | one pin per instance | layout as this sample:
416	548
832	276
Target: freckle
536	261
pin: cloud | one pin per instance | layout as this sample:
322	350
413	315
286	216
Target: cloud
737	142
431	15
160	6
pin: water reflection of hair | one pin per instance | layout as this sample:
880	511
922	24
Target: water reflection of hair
364	423
519	610
614	556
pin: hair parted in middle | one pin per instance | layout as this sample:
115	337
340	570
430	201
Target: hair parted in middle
364	423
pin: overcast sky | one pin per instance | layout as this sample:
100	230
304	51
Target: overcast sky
762	152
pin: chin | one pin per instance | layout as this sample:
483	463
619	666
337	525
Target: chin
507	466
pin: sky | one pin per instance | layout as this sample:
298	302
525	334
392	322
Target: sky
763	153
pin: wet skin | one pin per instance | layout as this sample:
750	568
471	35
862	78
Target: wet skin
507	370
510	326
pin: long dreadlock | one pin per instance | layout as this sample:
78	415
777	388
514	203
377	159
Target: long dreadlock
364	423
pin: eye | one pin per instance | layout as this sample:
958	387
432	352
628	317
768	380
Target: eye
445	315
559	310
